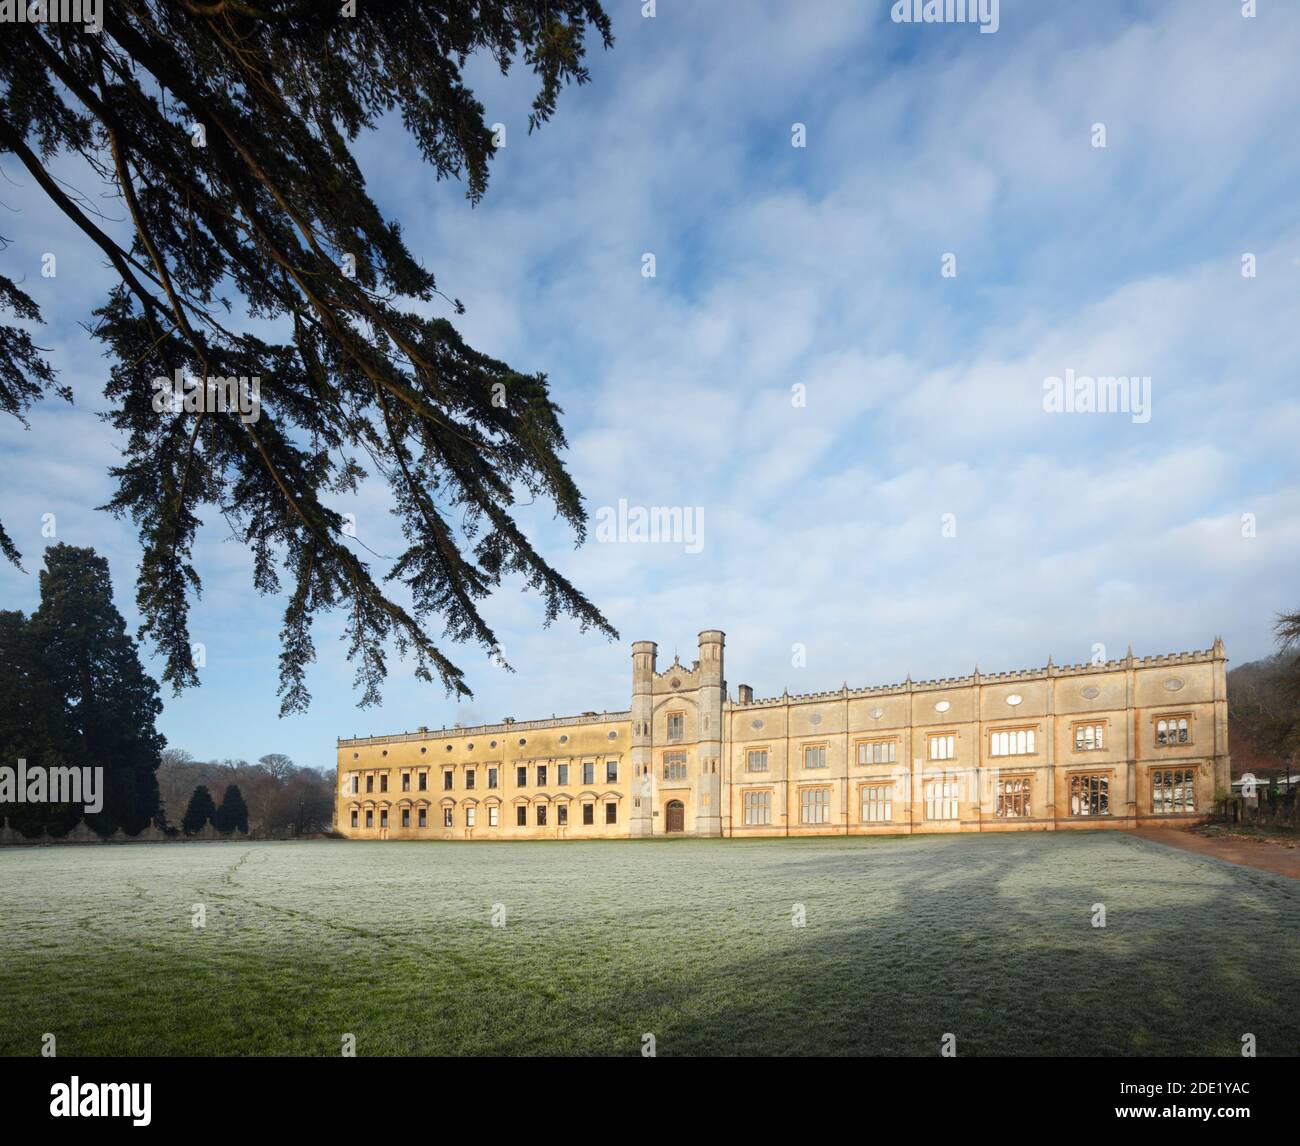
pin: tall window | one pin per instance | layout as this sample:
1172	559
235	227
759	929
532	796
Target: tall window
815	806
562	815
521	816
406	817
354	817
814	756
406	781
562	774
588	813
756	760
492	777
541	775
370	818
1012	742
1090	795
470	815
423	817
446	817
541	815
469	777
356	785
589	773
370	783
611	813
1173	791
383	782
383	818
757	807
423	784
676	726
1013	797
943	746
878	751
521	776
941	798
1172	730
877	803
611	775
674	765
447	781
1089	737
494	816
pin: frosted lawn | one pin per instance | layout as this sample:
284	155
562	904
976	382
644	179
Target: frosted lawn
904	940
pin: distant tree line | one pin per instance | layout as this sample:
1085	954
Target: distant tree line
272	798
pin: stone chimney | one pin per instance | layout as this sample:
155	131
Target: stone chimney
746	693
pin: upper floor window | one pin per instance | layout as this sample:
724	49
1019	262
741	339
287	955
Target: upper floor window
423	785
1090	795
756	760
1012	742
815	806
814	756
1173	791
941	798
541	775
492	777
676	726
1013	797
589	773
406	781
469	777
370	783
757	807
611	776
674	765
562	774
1171	730
1089	737
521	777
943	746
878	751
383	782
356	787
447	780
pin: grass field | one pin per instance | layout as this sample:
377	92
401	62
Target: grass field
987	937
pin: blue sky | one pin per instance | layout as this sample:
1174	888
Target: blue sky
819	267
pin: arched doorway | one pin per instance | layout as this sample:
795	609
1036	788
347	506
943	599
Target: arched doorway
676	816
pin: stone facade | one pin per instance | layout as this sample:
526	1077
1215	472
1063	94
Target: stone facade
1116	744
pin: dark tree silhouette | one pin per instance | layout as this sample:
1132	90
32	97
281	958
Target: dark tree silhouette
200	811
233	813
226	129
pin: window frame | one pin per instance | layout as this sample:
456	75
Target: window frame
762	797
865	789
891	757
1187	717
1012	732
1107	775
820	804
931	737
822	746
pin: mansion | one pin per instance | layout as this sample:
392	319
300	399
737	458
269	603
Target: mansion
1121	743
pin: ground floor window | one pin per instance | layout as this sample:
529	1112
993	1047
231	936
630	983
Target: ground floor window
1173	791
370	819
1090	795
815	806
423	818
354	818
383	819
758	807
611	813
562	815
406	817
521	816
446	817
1013	797
941	799
541	815
494	816
877	803
471	814
588	813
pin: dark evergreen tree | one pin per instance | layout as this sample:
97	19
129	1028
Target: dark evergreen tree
201	811
226	131
93	697
232	816
33	727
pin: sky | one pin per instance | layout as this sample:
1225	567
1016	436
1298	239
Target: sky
862	435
